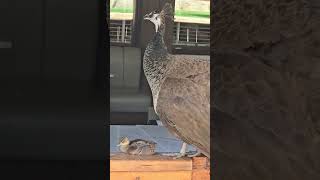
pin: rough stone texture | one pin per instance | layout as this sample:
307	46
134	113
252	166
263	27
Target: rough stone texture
266	69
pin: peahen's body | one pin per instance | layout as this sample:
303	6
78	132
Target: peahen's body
180	86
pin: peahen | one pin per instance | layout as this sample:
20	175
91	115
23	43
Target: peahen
180	86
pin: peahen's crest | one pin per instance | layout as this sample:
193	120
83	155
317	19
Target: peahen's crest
159	18
167	11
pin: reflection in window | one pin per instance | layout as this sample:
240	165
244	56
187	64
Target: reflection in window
192	23
121	16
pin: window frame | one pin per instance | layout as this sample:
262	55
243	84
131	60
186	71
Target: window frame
133	27
136	40
188	49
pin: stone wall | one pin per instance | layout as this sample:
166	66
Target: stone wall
266	69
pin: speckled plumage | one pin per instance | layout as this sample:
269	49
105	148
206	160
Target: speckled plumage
137	146
180	86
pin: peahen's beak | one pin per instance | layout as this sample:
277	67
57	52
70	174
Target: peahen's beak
118	144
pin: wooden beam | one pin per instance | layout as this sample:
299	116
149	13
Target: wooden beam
176	175
124	163
200	168
156	167
200	174
200	163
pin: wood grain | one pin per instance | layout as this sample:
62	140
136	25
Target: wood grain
164	175
123	166
200	168
150	165
201	174
200	163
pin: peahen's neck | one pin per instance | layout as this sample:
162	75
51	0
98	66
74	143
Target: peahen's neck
155	61
155	56
157	43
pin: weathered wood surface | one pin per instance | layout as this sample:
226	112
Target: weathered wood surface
200	168
156	167
128	163
169	175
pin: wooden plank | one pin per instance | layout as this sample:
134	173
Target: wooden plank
123	166
150	165
123	163
200	168
123	156
200	163
201	174
165	175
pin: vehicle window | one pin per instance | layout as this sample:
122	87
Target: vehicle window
121	18
192	23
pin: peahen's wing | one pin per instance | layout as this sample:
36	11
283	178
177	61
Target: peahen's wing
191	68
182	66
184	108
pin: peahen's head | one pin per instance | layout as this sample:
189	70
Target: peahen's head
155	18
159	18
